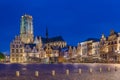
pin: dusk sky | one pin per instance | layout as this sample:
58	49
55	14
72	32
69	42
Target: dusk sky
75	20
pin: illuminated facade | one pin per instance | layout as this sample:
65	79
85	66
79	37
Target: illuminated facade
17	51
83	51
21	52
96	48
110	46
79	49
89	47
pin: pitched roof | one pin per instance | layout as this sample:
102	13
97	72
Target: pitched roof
93	39
53	39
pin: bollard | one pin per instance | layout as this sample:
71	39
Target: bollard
108	68
100	69
91	70
17	73
36	73
115	68
80	71
67	72
53	72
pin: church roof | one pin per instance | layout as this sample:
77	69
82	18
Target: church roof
43	40
93	39
53	39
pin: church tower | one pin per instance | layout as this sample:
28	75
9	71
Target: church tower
26	29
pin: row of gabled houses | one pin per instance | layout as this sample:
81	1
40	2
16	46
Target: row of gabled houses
106	48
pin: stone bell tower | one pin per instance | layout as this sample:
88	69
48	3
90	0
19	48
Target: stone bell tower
26	29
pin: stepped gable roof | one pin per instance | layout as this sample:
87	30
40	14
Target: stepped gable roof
30	45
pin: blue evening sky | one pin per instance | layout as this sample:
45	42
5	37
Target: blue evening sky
75	20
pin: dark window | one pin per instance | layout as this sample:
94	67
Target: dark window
20	46
112	48
17	51
111	42
16	46
13	50
21	50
